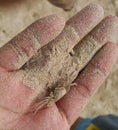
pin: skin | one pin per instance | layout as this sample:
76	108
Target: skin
17	100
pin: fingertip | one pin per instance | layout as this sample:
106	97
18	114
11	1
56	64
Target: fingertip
113	21
98	9
51	25
106	58
113	47
57	22
59	18
113	18
86	19
107	30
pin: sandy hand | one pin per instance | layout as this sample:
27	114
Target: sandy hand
57	64
51	71
29	73
42	62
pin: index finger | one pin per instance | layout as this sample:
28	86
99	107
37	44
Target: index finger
21	48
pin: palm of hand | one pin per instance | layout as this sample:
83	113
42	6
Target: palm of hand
17	100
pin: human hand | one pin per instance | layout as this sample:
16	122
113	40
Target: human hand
16	98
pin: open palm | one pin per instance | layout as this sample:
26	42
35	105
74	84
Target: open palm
17	101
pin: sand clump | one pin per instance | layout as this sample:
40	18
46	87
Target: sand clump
59	64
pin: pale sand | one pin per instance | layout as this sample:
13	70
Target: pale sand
17	15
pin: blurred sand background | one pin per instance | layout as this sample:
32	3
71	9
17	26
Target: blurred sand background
16	15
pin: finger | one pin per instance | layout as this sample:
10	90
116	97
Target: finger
88	82
106	31
85	50
21	48
80	24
